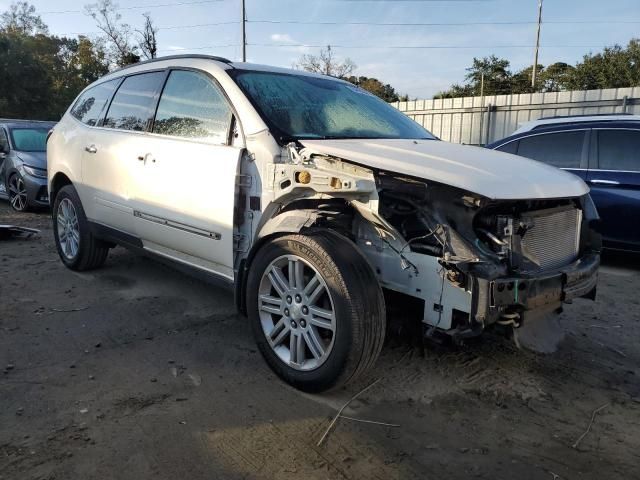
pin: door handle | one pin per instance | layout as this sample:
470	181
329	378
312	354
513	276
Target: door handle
91	149
597	181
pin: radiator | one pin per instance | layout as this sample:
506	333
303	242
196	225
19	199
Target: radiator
554	239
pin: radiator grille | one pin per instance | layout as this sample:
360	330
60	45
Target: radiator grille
554	239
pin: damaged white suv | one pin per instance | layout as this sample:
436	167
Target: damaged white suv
319	204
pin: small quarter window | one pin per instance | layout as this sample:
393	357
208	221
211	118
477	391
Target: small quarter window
510	147
563	149
133	103
619	150
192	106
91	103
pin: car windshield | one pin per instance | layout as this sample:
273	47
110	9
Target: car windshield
29	139
306	107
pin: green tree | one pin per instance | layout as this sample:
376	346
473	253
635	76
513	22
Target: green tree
521	80
556	76
383	90
495	73
41	74
614	67
26	88
22	18
117	36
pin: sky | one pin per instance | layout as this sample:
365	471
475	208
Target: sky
451	34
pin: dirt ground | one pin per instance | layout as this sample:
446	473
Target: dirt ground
137	371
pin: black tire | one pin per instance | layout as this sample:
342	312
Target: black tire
358	303
92	252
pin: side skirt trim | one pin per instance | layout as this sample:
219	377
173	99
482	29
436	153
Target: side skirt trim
177	225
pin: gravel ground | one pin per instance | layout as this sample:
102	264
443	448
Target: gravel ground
138	371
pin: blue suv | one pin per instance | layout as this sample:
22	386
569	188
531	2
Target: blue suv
602	150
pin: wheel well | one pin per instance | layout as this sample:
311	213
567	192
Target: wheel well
59	181
332	214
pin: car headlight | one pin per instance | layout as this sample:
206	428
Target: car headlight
36	172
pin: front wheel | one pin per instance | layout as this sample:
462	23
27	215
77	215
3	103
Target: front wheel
316	309
18	193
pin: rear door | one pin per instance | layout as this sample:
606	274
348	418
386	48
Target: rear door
566	149
111	149
615	185
186	174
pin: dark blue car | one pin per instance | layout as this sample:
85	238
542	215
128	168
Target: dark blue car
602	150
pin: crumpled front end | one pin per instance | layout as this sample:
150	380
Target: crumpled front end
454	260
475	262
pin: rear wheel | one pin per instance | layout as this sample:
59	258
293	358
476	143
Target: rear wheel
17	193
77	247
316	309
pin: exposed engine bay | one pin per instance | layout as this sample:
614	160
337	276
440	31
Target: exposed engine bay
462	260
509	257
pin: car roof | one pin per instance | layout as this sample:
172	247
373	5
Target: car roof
575	119
225	64
563	127
14	123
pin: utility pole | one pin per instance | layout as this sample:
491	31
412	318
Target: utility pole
244	32
535	57
481	107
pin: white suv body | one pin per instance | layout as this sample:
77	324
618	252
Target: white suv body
212	164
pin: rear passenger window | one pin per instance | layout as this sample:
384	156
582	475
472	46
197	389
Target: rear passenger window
192	106
619	150
133	103
563	149
91	103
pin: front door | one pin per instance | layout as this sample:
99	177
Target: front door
186	175
615	185
4	150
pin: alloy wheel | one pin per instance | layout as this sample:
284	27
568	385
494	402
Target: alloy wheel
296	312
17	193
68	229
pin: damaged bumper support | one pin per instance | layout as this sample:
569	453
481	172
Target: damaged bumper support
519	294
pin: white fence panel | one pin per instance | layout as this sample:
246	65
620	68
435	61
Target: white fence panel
478	120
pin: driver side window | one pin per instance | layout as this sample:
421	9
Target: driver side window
192	106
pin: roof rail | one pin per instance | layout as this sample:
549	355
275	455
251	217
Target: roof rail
586	115
24	120
175	57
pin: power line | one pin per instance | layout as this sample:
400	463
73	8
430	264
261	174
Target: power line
135	7
235	22
181	49
443	24
426	47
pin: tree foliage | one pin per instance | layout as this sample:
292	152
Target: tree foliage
148	42
41	74
614	67
383	90
118	36
21	18
326	63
